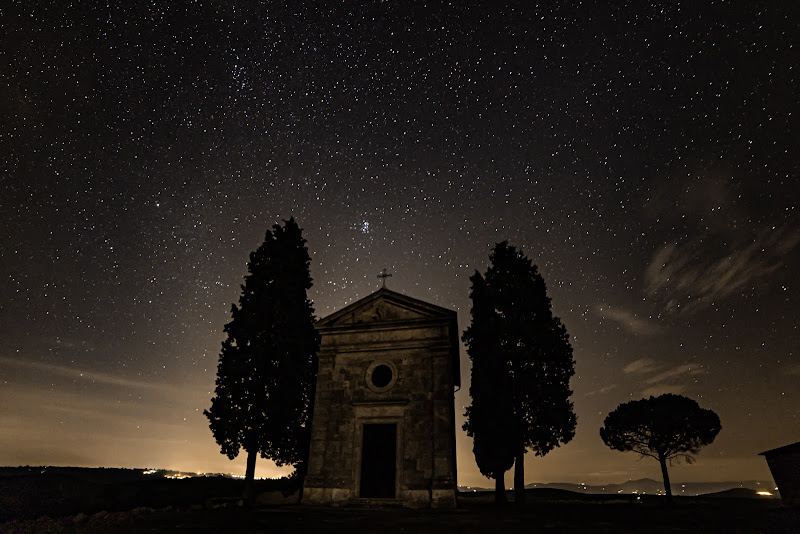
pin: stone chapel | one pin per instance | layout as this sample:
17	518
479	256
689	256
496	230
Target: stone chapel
384	418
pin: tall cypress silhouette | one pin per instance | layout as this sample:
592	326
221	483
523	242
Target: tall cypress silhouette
489	420
267	368
529	356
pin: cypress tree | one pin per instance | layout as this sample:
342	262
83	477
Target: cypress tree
267	369
489	416
531	362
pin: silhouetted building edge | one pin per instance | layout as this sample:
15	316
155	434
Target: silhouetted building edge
784	463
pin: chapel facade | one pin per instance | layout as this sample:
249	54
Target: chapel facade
384	419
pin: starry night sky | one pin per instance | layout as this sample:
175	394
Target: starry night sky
644	155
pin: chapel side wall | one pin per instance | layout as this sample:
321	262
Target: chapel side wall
331	438
443	480
319	427
785	469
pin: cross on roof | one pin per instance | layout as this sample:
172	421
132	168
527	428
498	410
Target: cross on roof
383	276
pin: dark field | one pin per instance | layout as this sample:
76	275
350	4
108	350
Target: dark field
540	516
124	501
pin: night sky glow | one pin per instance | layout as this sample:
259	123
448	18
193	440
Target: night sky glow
644	155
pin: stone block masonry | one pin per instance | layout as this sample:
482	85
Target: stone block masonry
384	420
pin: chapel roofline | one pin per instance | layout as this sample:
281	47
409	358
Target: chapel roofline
431	310
430	313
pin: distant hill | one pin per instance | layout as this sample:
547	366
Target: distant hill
739	493
647	486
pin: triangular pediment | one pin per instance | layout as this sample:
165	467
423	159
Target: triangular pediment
384	306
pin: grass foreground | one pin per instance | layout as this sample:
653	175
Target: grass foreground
83	501
542	514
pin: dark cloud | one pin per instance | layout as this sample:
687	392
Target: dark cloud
686	276
627	319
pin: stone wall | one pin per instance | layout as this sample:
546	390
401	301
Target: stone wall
419	402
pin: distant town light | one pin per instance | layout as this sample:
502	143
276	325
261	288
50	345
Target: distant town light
764	493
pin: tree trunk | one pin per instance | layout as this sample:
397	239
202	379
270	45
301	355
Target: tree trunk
499	489
519	477
667	487
249	479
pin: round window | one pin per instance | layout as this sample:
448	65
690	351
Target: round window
381	376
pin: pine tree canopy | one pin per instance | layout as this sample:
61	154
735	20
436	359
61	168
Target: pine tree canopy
668	426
